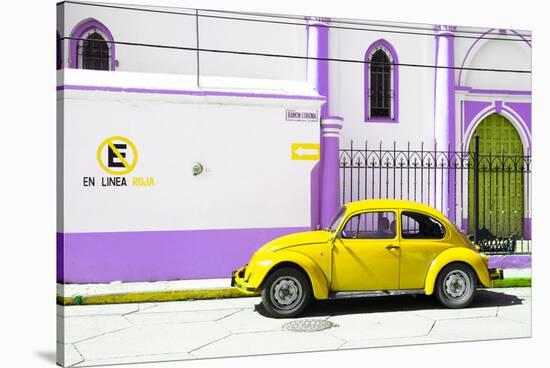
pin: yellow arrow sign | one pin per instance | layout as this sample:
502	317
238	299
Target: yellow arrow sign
305	151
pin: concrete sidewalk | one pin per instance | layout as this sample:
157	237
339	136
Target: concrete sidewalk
124	333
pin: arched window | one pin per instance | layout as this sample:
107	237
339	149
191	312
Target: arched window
92	47
380	86
94	52
381	83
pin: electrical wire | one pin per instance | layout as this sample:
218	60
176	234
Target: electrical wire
299	57
516	37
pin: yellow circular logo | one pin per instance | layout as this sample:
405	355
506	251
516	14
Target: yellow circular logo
117	155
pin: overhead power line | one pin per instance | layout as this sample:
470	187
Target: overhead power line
514	37
298	57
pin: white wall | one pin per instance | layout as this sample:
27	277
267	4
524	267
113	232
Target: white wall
494	52
244	144
180	30
140	27
255	37
416	85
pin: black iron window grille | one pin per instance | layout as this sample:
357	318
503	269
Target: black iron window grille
380	92
94	52
445	179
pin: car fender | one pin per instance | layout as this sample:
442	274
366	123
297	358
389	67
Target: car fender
457	254
318	281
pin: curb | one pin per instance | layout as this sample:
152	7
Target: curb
152	296
513	282
204	294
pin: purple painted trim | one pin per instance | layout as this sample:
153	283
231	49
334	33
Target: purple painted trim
79	31
395	61
315	187
186	92
322	67
338	126
450	117
381	120
523	109
511	261
475	43
498	106
330	179
451	122
524	133
158	255
324	172
471	110
521	36
525	129
333	118
468	53
527	228
493	91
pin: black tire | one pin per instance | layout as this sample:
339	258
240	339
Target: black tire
286	293
456	285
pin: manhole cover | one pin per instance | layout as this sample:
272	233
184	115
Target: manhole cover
308	325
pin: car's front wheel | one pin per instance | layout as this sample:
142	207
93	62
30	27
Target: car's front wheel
286	293
456	285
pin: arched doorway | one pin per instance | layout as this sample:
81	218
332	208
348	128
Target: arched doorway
501	170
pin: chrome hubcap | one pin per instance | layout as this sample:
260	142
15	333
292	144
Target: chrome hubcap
286	292
457	285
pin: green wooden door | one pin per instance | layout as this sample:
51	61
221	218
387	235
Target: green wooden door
500	177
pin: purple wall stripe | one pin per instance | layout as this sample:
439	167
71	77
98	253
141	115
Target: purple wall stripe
511	261
174	255
158	255
186	92
493	91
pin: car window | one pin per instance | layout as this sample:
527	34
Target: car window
338	216
370	225
416	225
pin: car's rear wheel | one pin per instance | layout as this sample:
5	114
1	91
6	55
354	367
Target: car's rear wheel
456	285
286	293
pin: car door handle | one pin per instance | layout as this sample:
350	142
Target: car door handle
391	246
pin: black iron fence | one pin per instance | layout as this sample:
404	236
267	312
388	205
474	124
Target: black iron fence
487	196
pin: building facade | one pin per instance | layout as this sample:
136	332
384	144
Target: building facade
190	138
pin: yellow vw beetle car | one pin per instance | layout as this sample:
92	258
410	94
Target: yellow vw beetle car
372	247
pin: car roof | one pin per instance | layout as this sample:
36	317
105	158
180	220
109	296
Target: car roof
391	204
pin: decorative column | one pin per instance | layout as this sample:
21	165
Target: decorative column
330	168
317	48
444	116
325	186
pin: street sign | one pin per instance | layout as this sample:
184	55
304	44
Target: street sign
305	151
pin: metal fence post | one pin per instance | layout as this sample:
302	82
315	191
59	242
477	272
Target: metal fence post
476	187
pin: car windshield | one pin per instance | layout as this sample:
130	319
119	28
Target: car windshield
337	219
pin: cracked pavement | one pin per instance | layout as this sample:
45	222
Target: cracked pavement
125	333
